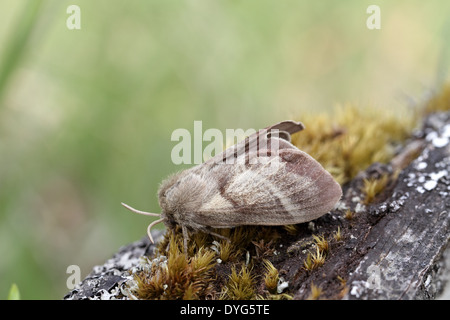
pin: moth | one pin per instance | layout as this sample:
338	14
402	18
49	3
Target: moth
262	180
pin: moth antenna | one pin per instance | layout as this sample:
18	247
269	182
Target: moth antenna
140	212
150	226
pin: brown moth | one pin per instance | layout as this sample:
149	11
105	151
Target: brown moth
262	180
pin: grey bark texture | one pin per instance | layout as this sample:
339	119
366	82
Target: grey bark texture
394	248
403	252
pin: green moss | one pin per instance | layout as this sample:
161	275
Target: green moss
315	292
351	139
240	285
194	276
337	236
179	277
271	276
373	187
322	244
314	260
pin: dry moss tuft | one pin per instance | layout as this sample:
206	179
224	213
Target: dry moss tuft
291	229
338	235
315	292
349	215
314	260
240	285
178	277
322	244
373	187
193	276
351	139
270	277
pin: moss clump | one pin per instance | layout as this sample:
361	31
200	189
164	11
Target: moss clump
349	215
314	260
270	277
351	139
178	277
291	229
240	239
197	274
338	235
373	187
240	285
315	292
322	244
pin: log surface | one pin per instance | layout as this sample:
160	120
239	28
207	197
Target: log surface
393	248
403	250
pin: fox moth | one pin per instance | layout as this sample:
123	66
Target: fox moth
262	180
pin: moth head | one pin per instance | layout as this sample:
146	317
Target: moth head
179	194
165	193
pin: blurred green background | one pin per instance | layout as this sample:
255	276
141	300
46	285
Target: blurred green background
86	115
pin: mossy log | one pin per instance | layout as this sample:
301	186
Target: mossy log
386	239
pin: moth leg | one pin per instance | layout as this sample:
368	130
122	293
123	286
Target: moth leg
185	238
215	234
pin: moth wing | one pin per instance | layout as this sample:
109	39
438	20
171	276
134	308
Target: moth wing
287	188
288	126
262	139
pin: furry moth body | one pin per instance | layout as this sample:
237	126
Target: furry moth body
285	186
